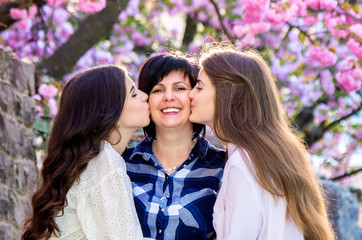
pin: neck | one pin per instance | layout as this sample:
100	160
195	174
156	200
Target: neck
121	140
172	147
173	138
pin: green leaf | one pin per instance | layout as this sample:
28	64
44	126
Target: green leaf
42	125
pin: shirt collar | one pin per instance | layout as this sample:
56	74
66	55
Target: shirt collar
144	148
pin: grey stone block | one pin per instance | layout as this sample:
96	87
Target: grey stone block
342	210
6	98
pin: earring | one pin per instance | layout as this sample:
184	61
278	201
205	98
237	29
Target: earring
118	127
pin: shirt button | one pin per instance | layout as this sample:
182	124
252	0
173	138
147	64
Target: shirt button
162	209
159	230
167	196
156	164
184	165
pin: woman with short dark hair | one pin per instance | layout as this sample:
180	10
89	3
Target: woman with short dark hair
85	192
175	172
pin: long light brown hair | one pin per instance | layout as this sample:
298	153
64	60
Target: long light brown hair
255	121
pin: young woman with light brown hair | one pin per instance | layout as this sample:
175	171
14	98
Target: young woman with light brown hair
269	190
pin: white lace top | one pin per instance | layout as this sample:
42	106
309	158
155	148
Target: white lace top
101	205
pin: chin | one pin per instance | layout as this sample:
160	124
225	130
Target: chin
194	119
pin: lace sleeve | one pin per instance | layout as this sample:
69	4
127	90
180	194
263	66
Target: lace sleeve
106	210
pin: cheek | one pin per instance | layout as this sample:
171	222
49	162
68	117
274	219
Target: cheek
185	98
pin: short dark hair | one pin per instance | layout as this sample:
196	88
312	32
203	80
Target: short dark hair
158	67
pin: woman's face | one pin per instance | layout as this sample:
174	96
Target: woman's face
169	101
203	97
136	111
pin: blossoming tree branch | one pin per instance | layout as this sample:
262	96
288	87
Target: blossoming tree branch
314	48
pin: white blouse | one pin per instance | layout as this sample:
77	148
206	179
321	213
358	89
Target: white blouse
244	210
100	205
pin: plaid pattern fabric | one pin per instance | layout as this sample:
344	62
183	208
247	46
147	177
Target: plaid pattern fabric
178	206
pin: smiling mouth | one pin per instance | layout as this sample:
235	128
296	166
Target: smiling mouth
171	110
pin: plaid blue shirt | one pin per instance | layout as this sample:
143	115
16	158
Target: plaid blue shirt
178	206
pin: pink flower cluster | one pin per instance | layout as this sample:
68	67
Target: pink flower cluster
55	3
279	13
254	10
355	46
336	24
47	91
91	6
322	4
323	56
24	17
349	76
327	82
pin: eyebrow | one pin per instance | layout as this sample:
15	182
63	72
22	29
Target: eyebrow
199	81
160	84
132	88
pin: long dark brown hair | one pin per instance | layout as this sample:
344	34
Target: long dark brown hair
90	106
255	121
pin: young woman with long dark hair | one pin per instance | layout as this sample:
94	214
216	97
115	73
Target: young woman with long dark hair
85	192
269	191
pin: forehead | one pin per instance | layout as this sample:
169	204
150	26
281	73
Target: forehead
175	77
129	83
203	76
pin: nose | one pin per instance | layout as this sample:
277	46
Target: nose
168	96
144	96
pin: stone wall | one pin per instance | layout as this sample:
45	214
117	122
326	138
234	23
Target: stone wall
17	156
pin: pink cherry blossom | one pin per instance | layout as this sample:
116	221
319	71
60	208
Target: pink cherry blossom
23	24
193	48
336	24
311	20
60	15
328	4
356	29
39	110
32	11
47	91
359	134
261	27
254	10
323	56
55	3
64	31
36	97
52	103
17	13
355	47
202	16
302	7
91	6
313	4
346	65
239	30
279	13
327	82
348	82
